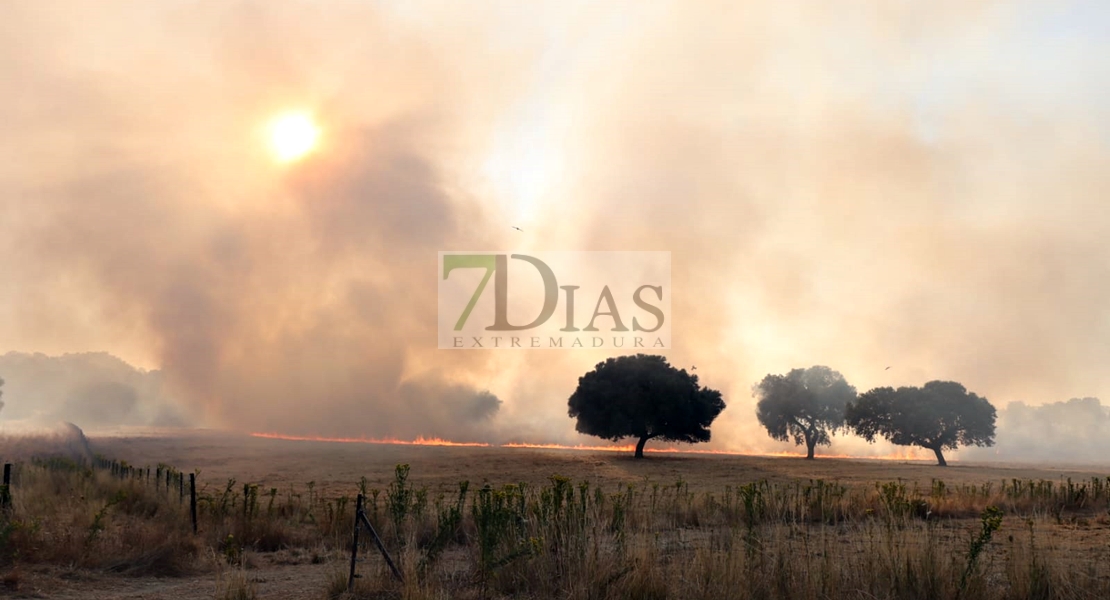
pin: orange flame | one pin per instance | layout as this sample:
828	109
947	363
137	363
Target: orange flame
908	454
420	441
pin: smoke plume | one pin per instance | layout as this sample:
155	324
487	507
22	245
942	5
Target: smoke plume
1063	432
909	185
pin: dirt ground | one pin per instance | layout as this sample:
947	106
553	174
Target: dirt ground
274	576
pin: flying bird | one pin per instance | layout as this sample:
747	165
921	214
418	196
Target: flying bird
517	228
887	369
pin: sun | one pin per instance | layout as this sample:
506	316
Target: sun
293	135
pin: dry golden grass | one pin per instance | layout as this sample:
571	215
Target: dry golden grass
336	467
565	524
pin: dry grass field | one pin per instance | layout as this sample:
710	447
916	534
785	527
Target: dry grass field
275	520
338	466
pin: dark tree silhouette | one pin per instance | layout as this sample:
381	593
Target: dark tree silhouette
941	415
643	397
804	405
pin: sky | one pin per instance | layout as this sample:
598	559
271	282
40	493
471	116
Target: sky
918	185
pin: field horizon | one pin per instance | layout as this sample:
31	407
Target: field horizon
221	454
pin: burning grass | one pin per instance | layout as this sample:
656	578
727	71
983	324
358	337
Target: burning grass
903	454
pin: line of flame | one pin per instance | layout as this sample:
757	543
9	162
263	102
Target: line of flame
420	441
909	454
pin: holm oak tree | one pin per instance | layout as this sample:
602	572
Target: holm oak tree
643	397
940	415
805	405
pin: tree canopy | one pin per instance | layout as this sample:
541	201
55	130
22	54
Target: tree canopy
805	405
941	415
643	397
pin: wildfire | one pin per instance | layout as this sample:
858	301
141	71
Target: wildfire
420	441
908	454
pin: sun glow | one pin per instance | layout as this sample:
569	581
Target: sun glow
293	135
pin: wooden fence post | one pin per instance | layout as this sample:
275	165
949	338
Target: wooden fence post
362	521
381	547
193	499
354	544
6	493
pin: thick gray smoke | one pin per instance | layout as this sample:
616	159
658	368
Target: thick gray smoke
1074	431
260	319
95	390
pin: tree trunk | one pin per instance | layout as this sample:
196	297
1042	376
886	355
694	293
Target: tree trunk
640	445
940	457
811	442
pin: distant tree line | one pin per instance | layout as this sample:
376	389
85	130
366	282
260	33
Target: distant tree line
644	397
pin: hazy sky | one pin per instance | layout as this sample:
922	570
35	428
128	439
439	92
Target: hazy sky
914	184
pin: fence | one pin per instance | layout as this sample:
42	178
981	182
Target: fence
171	482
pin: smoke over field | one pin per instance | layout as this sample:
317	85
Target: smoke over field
915	185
